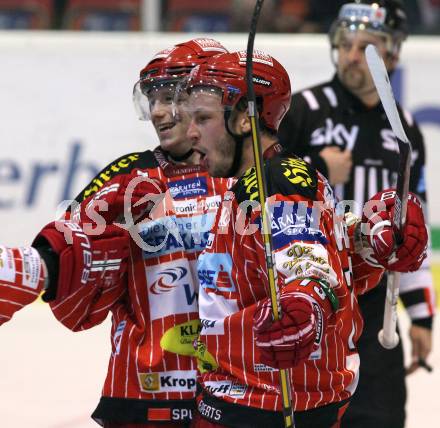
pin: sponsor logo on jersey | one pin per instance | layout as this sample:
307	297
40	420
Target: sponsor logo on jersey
214	272
169	235
117	337
188	188
210	241
298	173
159	414
295	222
193	206
208	323
170	381
170	289
227	387
7	265
181	414
114	169
31	267
209	412
262	368
180	339
168	279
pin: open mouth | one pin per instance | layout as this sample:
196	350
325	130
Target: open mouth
202	154
165	126
203	158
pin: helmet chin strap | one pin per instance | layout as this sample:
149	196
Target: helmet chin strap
239	142
180	158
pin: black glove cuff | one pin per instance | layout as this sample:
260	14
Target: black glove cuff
52	261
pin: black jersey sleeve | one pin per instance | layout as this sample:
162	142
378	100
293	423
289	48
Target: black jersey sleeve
295	130
417	288
122	165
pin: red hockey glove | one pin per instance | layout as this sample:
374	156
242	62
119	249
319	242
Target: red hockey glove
291	340
89	266
127	199
378	227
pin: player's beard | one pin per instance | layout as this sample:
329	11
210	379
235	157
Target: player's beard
356	80
224	157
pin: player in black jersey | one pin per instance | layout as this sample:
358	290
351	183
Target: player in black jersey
340	127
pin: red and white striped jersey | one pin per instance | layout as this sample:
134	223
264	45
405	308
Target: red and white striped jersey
21	279
310	241
158	313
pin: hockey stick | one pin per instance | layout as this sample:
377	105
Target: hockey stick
286	393
388	336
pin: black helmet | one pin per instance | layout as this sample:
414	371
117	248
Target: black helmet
386	17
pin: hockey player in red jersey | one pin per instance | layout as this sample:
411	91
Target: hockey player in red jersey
147	383
146	278
322	260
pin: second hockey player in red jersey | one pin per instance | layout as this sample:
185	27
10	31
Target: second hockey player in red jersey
152	294
321	261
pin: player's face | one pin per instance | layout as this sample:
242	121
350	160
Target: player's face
171	128
352	66
208	133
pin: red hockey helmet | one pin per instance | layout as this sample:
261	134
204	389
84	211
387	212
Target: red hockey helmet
227	74
168	66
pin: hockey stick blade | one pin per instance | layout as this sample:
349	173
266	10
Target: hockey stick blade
388	336
383	86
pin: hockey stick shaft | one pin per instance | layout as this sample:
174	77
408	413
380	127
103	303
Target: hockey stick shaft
388	336
286	393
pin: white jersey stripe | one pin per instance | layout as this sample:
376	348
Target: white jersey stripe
311	100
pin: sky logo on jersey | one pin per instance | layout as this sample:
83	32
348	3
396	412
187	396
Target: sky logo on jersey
188	188
171	234
214	272
170	289
295	222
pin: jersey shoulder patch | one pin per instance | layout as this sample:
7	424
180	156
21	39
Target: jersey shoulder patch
122	165
285	175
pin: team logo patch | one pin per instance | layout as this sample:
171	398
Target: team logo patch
188	188
297	172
